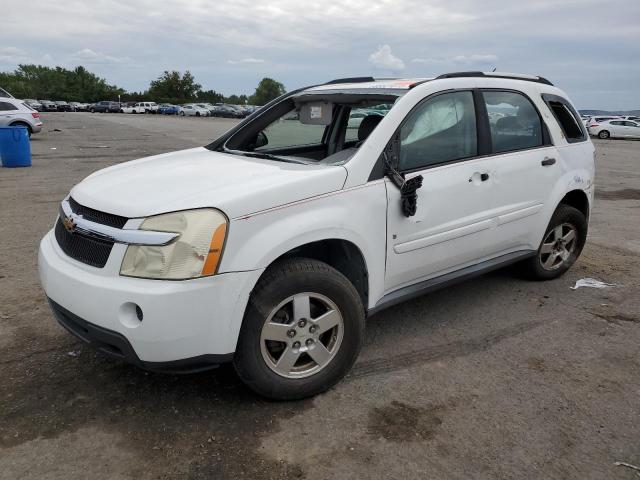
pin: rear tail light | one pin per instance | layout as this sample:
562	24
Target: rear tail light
35	115
594	124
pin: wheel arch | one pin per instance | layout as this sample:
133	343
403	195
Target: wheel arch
577	199
341	254
21	123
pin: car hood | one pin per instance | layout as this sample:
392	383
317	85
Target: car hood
198	178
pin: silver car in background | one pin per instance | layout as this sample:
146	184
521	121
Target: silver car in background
16	113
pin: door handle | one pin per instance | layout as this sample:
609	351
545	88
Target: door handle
484	177
547	162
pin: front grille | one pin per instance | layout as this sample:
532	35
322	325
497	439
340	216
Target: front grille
109	219
85	249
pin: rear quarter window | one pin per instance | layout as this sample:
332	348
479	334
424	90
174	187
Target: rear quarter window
567	118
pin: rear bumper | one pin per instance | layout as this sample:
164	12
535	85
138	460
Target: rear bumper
116	345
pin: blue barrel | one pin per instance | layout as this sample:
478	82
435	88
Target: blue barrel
15	150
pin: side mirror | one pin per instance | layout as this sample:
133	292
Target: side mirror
261	140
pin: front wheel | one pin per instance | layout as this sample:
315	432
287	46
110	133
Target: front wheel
604	134
302	330
560	247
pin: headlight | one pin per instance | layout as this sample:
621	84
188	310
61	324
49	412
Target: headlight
195	253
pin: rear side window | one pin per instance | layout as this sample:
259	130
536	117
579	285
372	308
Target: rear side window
567	118
5	106
513	121
442	129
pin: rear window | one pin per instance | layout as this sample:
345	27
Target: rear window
566	117
5	106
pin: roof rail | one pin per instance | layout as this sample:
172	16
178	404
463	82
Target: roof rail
351	80
511	76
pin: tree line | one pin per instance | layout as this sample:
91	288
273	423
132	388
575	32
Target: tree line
80	85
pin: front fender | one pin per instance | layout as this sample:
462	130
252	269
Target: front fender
357	215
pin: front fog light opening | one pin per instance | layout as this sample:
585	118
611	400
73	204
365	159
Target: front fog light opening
130	315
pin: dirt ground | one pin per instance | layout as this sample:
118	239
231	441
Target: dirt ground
493	378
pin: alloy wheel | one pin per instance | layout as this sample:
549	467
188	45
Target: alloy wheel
558	246
301	335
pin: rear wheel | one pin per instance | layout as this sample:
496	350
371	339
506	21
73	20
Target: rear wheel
560	247
302	330
92	110
603	134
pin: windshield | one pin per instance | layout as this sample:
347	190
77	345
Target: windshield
313	130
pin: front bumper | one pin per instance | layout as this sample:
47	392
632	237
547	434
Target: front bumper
181	320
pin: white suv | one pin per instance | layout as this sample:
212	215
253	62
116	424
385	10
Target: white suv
17	113
270	246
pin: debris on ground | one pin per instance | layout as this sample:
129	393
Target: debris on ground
628	465
592	283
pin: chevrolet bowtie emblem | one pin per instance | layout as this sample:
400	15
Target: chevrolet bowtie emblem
69	224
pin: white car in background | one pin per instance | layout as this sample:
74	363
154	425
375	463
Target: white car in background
149	107
16	113
192	110
616	128
136	108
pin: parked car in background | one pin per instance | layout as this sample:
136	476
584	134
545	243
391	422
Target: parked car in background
78	107
48	106
105	106
616	128
17	113
191	110
149	107
168	109
227	111
63	106
633	118
35	104
207	106
132	107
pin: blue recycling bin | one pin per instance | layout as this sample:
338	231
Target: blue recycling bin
15	150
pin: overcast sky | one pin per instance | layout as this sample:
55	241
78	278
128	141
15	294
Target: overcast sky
590	48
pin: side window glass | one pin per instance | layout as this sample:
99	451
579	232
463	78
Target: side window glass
6	106
356	115
513	121
440	130
288	131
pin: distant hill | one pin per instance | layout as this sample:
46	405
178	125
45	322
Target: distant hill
607	112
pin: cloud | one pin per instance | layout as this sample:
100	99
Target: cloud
245	60
89	56
384	59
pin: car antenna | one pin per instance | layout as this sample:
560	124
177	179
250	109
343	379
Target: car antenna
494	69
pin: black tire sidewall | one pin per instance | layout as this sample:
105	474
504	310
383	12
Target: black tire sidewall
604	134
563	214
286	279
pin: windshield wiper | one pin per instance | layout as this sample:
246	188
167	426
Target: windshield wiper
269	156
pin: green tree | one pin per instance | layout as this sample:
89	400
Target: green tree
209	96
173	87
267	90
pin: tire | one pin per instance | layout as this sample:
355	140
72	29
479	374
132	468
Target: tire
92	110
603	134
182	114
197	114
543	266
331	294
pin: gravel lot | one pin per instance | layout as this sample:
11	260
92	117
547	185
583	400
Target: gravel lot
494	378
